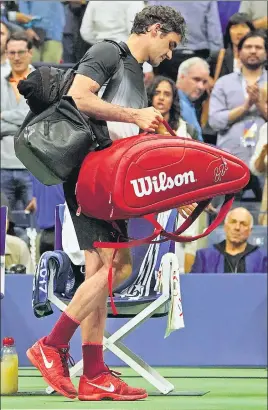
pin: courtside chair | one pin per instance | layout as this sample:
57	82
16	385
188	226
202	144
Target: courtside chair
137	309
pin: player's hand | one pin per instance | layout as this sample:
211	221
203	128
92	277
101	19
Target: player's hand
186	210
147	119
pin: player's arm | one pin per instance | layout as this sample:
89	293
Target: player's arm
84	90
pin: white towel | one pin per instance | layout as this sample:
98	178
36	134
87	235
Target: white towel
69	240
175	316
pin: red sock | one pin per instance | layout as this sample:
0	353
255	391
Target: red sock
93	360
63	331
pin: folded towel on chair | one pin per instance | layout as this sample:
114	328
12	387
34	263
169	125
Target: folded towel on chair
175	316
58	264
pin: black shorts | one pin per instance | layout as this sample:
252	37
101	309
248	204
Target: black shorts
88	230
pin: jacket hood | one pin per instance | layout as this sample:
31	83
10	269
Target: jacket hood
221	247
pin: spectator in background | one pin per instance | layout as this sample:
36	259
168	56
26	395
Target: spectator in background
15	178
258	162
192	82
238	26
225	62
74	47
235	254
236	111
47	197
46	33
5	65
16	250
204	34
257	11
163	96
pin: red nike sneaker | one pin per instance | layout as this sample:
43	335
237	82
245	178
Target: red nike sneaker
108	386
53	365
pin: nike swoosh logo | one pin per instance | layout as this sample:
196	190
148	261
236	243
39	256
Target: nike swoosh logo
47	363
110	389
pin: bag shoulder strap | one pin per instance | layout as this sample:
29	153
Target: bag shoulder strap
219	64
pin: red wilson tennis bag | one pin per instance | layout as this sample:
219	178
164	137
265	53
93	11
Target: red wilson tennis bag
147	174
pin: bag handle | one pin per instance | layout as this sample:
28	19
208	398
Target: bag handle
159	230
169	129
175	236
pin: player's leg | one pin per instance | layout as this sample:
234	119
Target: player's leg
98	381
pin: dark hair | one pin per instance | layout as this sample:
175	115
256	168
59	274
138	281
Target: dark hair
237	18
174	114
253	34
170	20
21	36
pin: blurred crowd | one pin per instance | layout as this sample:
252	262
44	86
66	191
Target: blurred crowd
214	89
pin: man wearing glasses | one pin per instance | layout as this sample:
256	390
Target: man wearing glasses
15	178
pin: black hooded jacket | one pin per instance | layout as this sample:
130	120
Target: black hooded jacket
235	263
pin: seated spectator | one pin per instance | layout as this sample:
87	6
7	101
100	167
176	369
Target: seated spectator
15	178
162	95
46	33
192	82
223	63
16	251
257	11
258	162
236	111
5	65
238	26
235	254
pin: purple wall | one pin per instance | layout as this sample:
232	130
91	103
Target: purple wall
225	323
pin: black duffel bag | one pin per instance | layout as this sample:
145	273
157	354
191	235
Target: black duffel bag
50	159
55	136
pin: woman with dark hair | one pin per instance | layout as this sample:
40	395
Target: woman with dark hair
238	26
163	95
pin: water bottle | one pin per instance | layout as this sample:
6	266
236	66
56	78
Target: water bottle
9	367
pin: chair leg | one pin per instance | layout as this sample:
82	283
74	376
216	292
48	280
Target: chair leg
139	365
